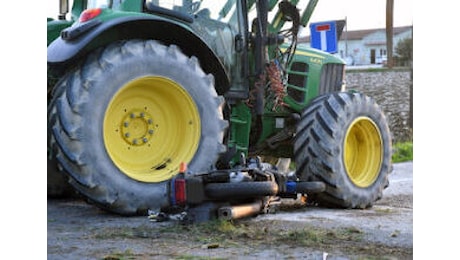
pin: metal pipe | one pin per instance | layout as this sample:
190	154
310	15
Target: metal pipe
260	48
63	9
306	15
239	211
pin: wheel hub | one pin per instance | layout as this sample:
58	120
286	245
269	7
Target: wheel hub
137	127
151	125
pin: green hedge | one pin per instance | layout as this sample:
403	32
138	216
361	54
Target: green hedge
402	152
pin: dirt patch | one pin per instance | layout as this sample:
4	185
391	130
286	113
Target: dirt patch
398	201
77	230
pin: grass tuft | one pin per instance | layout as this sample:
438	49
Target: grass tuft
402	152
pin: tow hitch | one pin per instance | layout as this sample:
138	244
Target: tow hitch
247	190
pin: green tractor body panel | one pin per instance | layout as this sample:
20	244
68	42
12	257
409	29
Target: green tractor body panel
220	42
129	20
138	89
307	72
132	19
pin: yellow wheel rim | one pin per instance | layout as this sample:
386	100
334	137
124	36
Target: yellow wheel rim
150	126
363	152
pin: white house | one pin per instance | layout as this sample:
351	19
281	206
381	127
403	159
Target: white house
365	47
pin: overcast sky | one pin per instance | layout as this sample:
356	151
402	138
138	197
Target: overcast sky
363	14
360	14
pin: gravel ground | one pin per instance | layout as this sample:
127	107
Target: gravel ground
77	230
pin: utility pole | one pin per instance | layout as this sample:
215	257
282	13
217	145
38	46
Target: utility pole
389	32
411	107
346	38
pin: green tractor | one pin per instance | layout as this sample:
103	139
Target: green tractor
139	88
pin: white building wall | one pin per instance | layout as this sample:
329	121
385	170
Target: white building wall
353	52
371	49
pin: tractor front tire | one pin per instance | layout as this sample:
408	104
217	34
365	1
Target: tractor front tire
344	141
128	116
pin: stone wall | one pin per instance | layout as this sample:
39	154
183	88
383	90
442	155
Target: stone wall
391	90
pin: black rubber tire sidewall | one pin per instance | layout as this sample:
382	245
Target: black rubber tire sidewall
58	186
88	91
319	147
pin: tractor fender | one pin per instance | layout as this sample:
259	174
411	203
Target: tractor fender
63	53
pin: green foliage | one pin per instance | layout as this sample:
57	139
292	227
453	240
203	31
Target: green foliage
214	231
313	236
404	51
402	152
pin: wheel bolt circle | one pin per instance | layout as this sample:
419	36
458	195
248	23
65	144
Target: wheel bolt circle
137	125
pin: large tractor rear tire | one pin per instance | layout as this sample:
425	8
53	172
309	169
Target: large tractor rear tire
57	182
344	141
128	116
